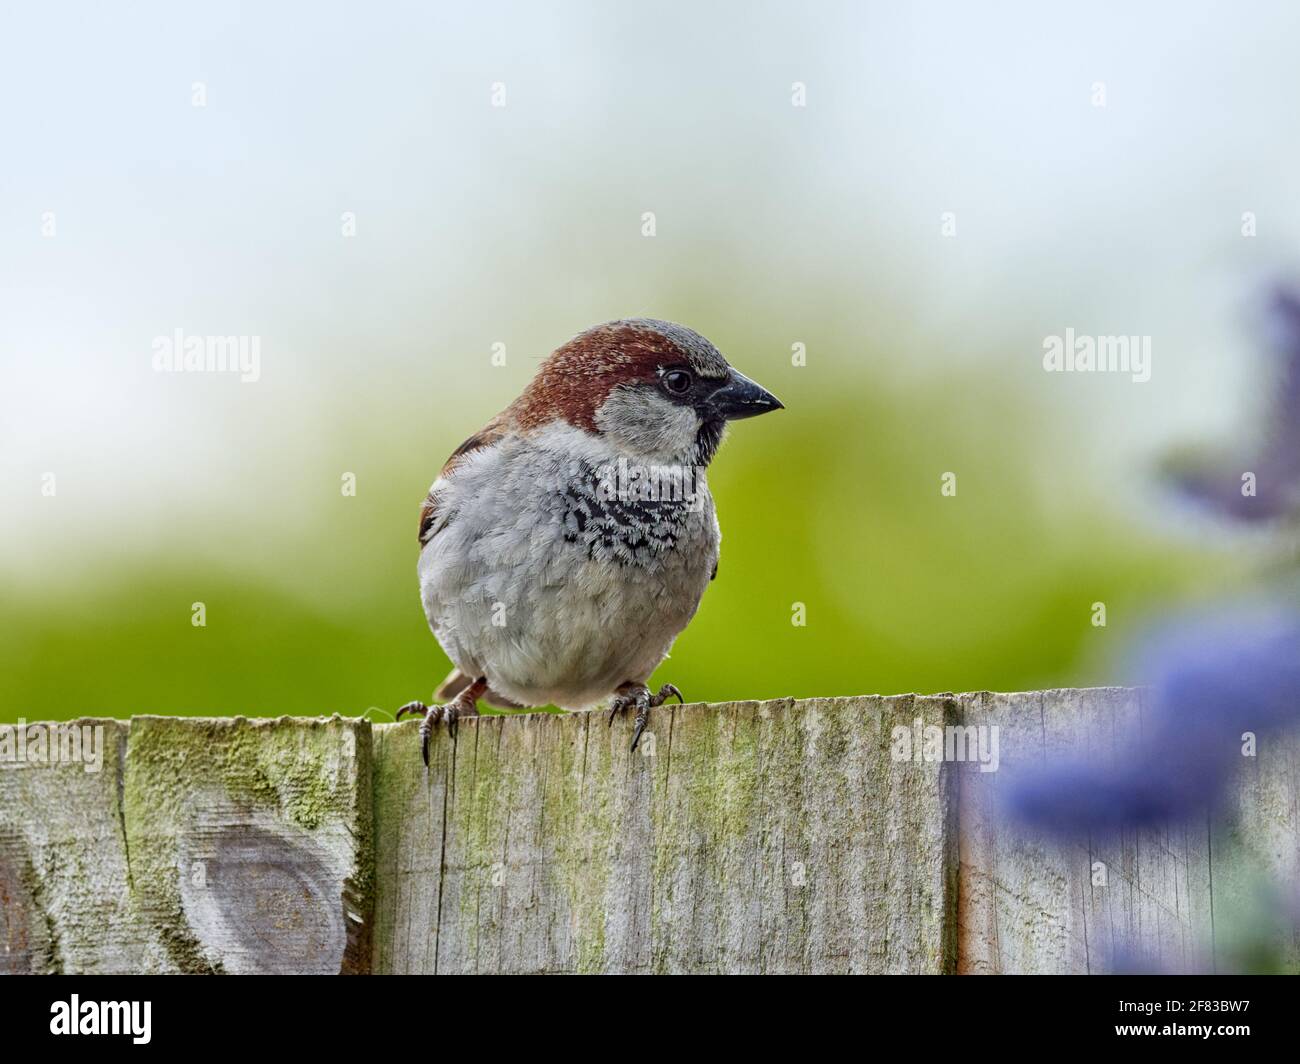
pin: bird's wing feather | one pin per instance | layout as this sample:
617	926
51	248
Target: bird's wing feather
430	524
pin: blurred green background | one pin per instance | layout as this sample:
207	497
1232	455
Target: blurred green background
521	225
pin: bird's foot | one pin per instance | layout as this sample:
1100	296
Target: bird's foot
637	696
464	704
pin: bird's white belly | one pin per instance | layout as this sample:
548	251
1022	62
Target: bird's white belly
511	596
567	643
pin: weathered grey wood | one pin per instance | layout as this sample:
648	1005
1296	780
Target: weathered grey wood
201	845
1145	899
65	903
1253	850
249	842
754	836
773	836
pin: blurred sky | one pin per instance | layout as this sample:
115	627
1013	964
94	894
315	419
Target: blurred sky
522	225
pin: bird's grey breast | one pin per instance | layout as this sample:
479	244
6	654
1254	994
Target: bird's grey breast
564	572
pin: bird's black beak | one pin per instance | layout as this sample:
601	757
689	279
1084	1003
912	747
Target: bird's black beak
739	397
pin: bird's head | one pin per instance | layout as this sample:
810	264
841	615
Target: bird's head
651	388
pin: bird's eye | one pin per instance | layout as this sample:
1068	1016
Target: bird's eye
677	381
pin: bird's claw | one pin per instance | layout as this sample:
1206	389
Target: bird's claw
412	707
450	713
639	696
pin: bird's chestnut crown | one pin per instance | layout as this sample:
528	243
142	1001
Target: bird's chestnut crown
652	388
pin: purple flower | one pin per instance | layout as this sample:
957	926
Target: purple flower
1217	485
1213	681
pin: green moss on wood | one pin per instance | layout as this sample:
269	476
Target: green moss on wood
301	773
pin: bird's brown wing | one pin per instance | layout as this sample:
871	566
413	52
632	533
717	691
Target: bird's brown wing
429	512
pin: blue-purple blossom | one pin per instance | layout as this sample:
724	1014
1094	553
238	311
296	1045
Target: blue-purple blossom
1212	682
1275	492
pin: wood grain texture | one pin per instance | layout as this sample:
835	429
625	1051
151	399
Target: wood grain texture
65	902
250	842
774	836
747	837
200	846
1181	897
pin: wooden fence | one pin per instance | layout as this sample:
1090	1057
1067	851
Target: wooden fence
780	836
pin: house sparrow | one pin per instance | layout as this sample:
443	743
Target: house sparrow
564	547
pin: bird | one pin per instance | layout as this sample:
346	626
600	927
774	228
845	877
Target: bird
565	545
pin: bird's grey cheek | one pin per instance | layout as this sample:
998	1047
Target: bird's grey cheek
647	422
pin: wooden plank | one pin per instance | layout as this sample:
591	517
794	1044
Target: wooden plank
65	903
1030	904
250	842
773	836
1253	846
